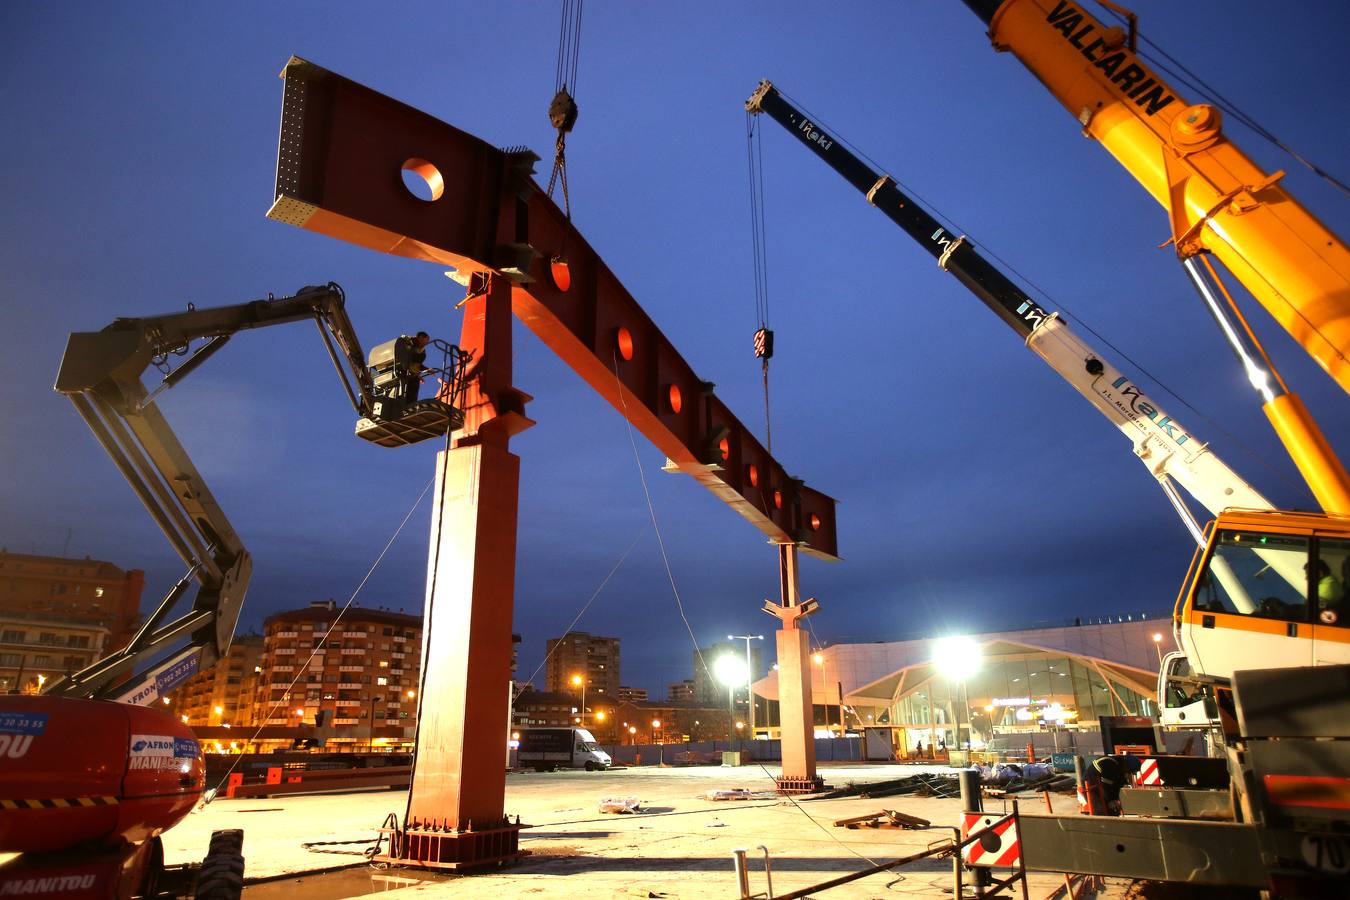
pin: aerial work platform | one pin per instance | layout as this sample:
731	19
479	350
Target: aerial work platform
419	421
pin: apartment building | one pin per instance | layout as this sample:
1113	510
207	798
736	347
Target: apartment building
35	649
578	655
226	693
544	709
355	677
78	591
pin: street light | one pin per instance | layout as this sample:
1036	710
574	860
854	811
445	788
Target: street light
1157	646
632	734
957	658
578	681
656	723
731	672
749	674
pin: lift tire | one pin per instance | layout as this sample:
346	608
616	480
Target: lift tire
221	876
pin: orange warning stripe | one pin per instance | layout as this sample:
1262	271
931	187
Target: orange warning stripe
57	803
1308	790
1258	625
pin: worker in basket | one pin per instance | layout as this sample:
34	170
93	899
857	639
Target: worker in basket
410	357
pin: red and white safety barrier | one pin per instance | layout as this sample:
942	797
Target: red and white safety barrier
997	843
1148	773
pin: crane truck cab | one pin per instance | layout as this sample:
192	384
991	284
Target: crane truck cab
1268	587
567	748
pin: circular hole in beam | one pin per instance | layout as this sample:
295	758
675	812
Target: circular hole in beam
752	473
674	399
623	338
724	449
423	180
561	273
777	499
815	522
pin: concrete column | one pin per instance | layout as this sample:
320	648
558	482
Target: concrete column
795	718
794	704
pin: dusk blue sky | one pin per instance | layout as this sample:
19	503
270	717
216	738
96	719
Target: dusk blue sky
976	489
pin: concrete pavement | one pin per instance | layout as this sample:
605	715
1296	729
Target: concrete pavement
679	847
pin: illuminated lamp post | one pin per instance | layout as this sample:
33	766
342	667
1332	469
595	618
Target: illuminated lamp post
1157	646
656	723
749	674
957	659
732	672
578	681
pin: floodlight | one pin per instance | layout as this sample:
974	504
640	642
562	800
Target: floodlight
730	670
957	658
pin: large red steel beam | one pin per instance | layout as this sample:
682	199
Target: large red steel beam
343	151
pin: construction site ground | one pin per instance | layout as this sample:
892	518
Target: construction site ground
678	846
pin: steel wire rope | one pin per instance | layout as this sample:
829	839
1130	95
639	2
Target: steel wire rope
585	606
834	837
651	512
427	621
1247	450
760	251
324	640
565	86
569	45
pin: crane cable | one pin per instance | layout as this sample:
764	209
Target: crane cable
763	342
562	111
1251	452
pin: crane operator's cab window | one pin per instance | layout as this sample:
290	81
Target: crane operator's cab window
1255	574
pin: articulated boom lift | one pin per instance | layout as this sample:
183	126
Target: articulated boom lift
91	784
101	374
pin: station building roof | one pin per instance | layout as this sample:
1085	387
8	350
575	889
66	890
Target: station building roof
876	674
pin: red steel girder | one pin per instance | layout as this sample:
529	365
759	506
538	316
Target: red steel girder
340	164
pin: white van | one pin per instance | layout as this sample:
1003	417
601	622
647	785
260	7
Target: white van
567	748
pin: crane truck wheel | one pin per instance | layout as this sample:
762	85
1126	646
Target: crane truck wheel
222	873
